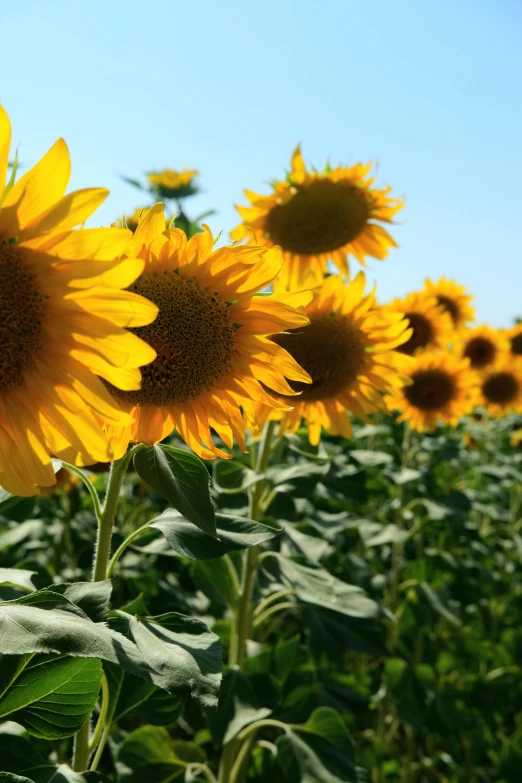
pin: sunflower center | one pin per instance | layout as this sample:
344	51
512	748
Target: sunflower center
516	344
331	350
322	216
430	390
500	388
422	333
480	351
450	306
22	311
193	336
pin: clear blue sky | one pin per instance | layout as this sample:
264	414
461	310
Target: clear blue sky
432	90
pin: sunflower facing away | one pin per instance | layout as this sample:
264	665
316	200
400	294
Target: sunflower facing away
63	322
349	351
454	299
431	326
441	388
501	389
483	346
213	353
315	217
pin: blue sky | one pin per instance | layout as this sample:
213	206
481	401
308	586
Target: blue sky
429	90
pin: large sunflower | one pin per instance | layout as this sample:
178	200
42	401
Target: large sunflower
431	326
349	351
214	356
441	387
454	299
501	389
483	346
315	217
63	319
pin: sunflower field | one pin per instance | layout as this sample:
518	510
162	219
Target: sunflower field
257	525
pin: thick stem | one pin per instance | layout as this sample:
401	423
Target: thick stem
81	748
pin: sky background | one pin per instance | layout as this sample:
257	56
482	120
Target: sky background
430	90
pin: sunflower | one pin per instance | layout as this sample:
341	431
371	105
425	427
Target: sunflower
131	221
349	351
516	438
483	346
173	184
500	389
514	336
317	217
214	358
63	322
453	298
440	388
431	326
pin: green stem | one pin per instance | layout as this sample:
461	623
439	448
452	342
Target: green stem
241	758
271	599
103	714
123	546
273	610
81	748
88	485
206	771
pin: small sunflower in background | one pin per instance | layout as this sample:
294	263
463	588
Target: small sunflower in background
454	299
514	336
214	356
431	326
500	389
63	322
167	184
132	221
316	217
516	438
483	346
349	351
440	388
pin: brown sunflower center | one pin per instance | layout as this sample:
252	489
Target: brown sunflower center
500	388
516	344
193	336
422	333
430	390
322	216
480	351
21	317
450	306
331	350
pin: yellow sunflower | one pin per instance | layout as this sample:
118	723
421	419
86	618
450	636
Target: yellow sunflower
63	322
431	326
500	389
454	299
173	184
483	346
317	217
349	351
514	336
213	353
441	387
516	438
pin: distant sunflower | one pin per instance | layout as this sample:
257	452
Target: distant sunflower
516	438
315	217
501	389
431	326
454	299
173	184
132	221
63	319
441	388
349	350
514	336
483	346
214	358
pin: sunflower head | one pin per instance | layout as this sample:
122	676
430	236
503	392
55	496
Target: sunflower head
483	346
500	388
453	299
431	326
440	387
211	337
514	336
349	351
317	216
169	184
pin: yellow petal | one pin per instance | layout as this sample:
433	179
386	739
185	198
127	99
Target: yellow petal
5	144
122	308
70	211
94	244
151	226
298	170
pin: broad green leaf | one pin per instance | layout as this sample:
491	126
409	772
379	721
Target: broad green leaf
31	528
327	723
238	707
308	758
92	597
294	542
370	459
404	475
331	634
231	477
234	533
280	474
149	755
215	580
17	577
19	756
388	534
10	777
184	654
182	479
53	698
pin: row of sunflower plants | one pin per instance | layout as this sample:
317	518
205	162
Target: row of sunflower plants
248	536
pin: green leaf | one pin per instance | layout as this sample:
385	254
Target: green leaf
92	597
370	459
9	777
234	533
18	756
182	479
308	758
149	754
52	699
215	580
17	577
388	534
404	475
238	707
184	655
436	604
231	477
